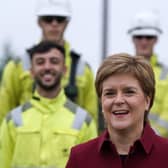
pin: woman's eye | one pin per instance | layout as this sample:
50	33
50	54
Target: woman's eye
129	92
109	93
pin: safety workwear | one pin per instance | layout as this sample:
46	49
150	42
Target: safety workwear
41	132
145	23
17	85
54	8
158	115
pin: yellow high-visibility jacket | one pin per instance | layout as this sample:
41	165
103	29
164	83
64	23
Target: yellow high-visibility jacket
41	132
17	85
159	110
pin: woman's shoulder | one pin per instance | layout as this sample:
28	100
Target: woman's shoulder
85	147
162	140
161	144
90	147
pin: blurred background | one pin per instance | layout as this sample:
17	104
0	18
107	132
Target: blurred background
98	27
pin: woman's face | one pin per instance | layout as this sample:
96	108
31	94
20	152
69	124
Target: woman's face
123	103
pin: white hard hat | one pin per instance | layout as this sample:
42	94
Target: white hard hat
54	8
145	23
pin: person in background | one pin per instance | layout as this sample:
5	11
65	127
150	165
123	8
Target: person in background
17	86
145	31
41	132
125	85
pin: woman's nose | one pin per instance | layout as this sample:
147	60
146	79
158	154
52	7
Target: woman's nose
119	99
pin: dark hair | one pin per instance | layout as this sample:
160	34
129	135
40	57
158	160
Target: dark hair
44	47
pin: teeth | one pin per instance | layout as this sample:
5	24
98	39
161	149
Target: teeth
120	112
47	75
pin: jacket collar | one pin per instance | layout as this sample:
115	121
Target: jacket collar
145	143
46	105
154	60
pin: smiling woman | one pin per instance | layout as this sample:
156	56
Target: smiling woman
126	88
124	104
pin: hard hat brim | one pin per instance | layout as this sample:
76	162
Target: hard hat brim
146	32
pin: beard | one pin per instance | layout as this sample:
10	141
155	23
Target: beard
49	87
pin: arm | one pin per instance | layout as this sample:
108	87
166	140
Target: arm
88	130
10	90
6	146
90	100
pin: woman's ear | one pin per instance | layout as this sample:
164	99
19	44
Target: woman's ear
148	100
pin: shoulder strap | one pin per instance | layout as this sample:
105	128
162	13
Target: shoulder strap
71	90
81	115
16	114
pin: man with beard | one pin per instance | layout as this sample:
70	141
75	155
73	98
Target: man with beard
53	17
41	132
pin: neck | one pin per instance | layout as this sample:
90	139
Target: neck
49	93
124	139
147	56
61	42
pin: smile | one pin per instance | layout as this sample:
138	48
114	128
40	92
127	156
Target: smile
120	112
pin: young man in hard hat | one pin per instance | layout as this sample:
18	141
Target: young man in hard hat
41	132
17	85
145	31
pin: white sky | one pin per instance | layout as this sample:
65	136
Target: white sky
18	24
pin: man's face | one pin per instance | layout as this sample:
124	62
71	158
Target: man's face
144	45
48	69
53	28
